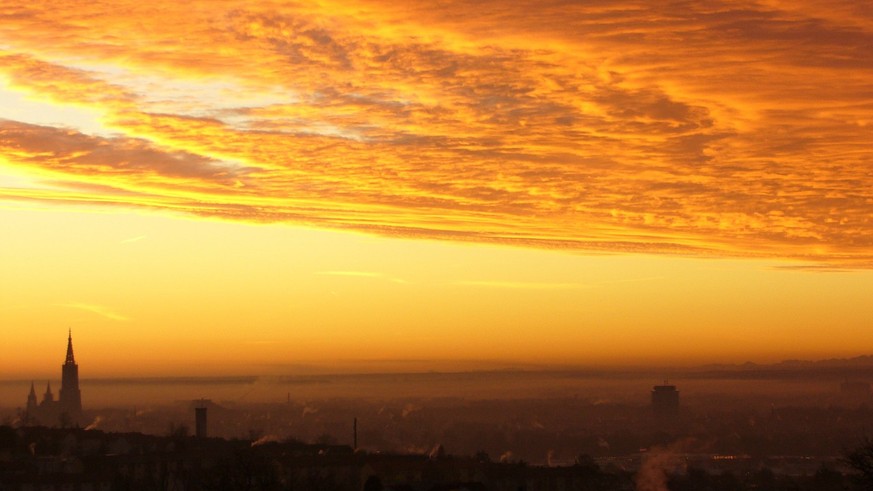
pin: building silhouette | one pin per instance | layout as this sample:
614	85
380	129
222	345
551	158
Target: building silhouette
200	421
67	409
856	390
665	400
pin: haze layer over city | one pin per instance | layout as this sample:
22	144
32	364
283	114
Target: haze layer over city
517	204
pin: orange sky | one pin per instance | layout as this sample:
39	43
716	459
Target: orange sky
243	186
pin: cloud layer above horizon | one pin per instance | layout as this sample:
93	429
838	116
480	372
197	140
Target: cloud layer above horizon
725	129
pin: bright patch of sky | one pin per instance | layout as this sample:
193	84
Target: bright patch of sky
193	96
222	99
327	129
20	107
11	179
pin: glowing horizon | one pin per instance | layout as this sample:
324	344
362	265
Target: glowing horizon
675	156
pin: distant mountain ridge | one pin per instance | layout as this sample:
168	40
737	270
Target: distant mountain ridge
863	361
833	367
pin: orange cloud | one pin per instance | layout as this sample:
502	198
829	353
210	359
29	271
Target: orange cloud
717	128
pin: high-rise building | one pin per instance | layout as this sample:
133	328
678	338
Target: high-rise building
855	390
665	400
200	421
67	409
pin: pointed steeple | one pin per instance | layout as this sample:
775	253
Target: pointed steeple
69	397
31	399
48	397
70	359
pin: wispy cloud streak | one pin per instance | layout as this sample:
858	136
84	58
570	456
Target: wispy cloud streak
130	240
362	274
522	285
97	310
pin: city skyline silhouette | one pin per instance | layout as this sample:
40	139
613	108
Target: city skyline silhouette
436	246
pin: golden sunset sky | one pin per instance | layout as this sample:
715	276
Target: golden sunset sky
253	186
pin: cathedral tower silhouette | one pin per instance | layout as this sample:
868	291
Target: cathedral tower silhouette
70	398
67	408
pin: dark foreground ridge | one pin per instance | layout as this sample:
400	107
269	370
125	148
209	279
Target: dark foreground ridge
40	458
75	459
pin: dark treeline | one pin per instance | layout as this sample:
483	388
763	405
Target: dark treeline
46	458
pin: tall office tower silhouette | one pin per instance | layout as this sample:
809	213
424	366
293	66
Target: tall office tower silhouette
200	421
665	400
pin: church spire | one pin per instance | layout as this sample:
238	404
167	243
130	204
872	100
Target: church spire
69	397
70	359
48	397
31	400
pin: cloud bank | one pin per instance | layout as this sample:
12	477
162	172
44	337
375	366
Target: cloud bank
724	129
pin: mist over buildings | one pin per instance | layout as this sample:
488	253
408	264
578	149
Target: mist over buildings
642	427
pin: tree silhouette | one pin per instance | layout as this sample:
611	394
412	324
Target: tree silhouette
861	460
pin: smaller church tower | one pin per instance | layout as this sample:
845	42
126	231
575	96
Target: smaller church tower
48	398
31	400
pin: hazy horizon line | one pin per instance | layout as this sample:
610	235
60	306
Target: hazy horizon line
860	363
